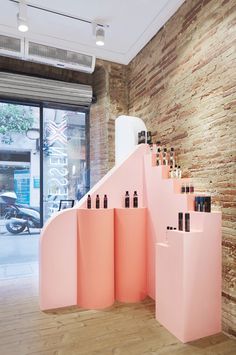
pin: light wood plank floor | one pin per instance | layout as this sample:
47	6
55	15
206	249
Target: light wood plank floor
123	329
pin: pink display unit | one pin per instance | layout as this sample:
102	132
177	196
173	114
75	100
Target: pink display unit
130	254
58	266
188	279
183	269
95	258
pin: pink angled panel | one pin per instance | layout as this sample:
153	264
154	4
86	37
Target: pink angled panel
58	261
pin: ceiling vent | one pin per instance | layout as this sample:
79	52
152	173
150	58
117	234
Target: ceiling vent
59	57
40	53
11	46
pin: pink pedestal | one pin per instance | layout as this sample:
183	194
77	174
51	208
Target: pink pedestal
188	279
95	258
130	254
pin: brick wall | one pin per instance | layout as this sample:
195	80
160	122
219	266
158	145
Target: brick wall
183	85
110	88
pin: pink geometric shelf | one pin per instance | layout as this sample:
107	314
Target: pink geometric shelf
181	271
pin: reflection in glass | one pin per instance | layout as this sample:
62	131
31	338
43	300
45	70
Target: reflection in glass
64	157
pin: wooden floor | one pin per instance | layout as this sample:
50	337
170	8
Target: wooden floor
120	330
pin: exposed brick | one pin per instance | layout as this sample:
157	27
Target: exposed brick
190	102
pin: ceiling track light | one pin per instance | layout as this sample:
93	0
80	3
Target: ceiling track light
23	26
99	34
22	20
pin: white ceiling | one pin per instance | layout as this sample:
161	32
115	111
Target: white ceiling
132	24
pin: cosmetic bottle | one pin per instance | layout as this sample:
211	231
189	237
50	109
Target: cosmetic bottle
105	202
196	202
135	200
127	199
180	221
149	137
191	189
143	137
202	207
158	157
175	172
164	157
158	144
179	172
139	137
89	202
97	201
183	189
171	228
187	222
199	206
174	228
172	156
208	204
187	188
171	172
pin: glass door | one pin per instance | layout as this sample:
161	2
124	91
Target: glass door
65	163
19	187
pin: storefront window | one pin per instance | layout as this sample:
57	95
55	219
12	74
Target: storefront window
64	157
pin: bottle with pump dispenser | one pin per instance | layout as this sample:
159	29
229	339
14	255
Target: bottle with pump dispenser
135	200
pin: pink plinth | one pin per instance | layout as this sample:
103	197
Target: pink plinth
188	279
130	254
95	258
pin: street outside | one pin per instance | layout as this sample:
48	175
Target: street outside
18	253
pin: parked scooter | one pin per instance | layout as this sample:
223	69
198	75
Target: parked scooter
19	217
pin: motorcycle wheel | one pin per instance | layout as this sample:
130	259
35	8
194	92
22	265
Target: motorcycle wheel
15	228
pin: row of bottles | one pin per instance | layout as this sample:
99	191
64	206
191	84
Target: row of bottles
187	188
145	137
161	156
97	202
202	204
175	172
105	201
127	200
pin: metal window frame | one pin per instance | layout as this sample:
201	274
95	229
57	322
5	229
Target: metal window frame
54	105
